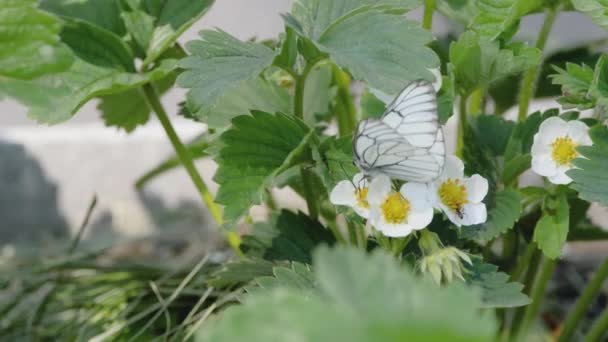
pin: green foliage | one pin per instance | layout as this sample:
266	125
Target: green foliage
296	276
515	167
286	236
347	31
496	290
363	298
522	137
589	177
31	44
219	63
333	159
240	271
156	24
552	229
596	9
494	133
502	215
104	14
575	81
497	16
478	63
257	148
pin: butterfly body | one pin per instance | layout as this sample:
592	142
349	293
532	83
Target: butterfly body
407	142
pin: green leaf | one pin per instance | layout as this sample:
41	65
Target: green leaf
496	290
575	82
494	132
477	157
219	64
596	9
30	41
296	276
102	13
318	94
363	298
286	236
103	66
289	50
497	16
254	94
258	148
334	161
477	63
589	176
502	216
445	100
173	18
552	229
515	167
347	30
240	271
371	106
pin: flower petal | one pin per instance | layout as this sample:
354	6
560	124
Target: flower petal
343	194
477	188
418	194
544	165
538	147
453	168
551	129
361	211
420	219
378	189
579	132
394	230
474	213
560	177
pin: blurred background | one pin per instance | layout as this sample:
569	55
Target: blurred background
48	175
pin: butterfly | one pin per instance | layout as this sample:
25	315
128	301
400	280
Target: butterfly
407	142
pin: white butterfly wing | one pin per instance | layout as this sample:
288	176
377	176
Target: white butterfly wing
380	149
413	114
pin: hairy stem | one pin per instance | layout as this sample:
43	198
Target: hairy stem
477	101
538	294
532	267
427	18
531	76
524	261
306	174
583	302
186	159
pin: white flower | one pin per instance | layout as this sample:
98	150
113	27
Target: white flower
352	194
459	197
398	213
554	148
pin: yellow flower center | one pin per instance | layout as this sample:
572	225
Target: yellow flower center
361	195
564	150
453	194
395	208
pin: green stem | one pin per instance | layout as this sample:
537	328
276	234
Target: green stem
531	76
476	105
352	233
186	159
346	114
336	231
583	302
523	262
462	124
599	328
427	18
532	267
306	174
538	294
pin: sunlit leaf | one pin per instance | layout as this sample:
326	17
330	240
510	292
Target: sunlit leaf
497	16
30	41
590	177
348	31
257	148
551	230
218	65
